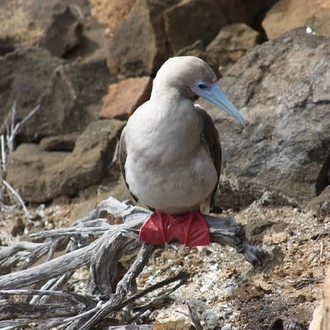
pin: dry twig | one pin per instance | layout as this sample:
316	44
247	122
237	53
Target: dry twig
8	131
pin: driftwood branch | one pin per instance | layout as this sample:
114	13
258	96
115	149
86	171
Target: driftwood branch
94	242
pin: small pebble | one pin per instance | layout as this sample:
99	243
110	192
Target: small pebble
226	327
227	311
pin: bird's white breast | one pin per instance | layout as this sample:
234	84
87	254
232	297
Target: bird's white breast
167	167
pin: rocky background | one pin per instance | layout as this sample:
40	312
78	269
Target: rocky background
89	64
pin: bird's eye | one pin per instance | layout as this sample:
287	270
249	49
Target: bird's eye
203	86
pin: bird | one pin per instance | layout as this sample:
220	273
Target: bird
170	153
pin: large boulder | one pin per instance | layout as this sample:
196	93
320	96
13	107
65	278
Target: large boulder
51	24
69	93
281	88
140	45
63	32
230	44
111	13
157	30
288	14
41	176
200	20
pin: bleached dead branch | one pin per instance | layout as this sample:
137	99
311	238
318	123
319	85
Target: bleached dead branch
94	242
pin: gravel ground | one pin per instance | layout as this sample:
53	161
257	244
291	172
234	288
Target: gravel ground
227	290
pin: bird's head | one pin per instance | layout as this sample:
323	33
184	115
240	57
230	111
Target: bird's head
193	77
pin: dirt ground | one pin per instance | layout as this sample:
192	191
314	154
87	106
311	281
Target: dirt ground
233	294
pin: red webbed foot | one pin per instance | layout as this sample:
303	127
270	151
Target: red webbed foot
191	229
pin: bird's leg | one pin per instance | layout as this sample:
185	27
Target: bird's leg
191	229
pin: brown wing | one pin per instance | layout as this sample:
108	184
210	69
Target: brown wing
210	138
122	159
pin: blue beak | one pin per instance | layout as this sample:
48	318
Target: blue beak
215	95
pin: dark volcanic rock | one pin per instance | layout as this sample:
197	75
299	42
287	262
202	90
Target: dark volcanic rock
231	43
64	142
63	33
6	45
24	75
193	20
140	45
319	205
69	93
40	176
281	88
156	30
196	20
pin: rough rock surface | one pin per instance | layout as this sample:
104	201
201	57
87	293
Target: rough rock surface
125	97
140	45
69	93
64	142
231	43
281	89
111	13
320	205
41	176
209	16
187	15
196	49
288	14
153	30
63	33
51	24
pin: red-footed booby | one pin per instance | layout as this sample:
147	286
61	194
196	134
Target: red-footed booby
170	153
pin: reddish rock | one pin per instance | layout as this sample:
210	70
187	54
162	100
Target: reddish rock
288	14
111	12
124	97
319	23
